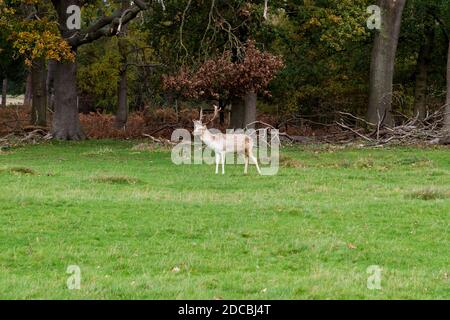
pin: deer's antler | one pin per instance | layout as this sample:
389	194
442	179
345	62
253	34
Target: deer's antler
216	113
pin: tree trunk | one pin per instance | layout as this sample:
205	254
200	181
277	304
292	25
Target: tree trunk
66	122
39	100
237	113
122	108
423	63
250	109
28	91
243	111
4	91
383	61
222	111
50	84
447	108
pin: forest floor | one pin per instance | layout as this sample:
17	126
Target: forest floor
139	226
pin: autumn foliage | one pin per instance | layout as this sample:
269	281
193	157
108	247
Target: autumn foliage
158	122
221	77
33	37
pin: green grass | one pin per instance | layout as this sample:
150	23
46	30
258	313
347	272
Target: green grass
140	227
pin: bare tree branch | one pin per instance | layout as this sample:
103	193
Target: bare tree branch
107	25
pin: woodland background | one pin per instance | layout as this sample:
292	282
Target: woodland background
314	63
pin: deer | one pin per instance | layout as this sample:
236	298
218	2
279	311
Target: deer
222	144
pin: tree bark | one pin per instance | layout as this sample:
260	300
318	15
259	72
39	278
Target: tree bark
243	111
66	122
28	91
447	103
423	63
51	84
222	111
4	91
237	113
39	100
250	109
383	61
122	107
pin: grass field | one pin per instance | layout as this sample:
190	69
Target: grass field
140	227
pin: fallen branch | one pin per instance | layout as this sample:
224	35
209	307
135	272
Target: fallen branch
21	137
167	126
268	126
160	140
411	131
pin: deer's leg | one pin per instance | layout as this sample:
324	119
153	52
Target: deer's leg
217	162
223	162
245	164
253	158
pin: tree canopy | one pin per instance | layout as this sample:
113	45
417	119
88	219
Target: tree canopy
195	50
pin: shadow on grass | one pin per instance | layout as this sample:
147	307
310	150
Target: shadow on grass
19	170
117	180
428	194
